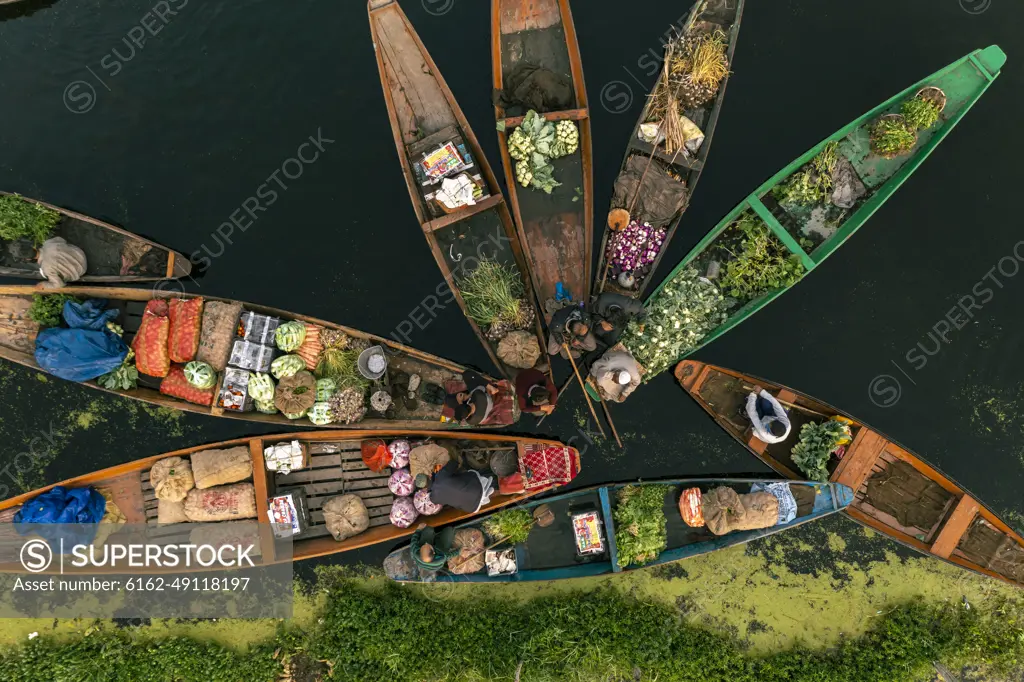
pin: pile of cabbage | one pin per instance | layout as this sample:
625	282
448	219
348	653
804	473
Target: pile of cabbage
635	247
535	143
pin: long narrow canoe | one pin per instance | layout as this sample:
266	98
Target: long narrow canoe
897	493
557	229
424	115
18	334
706	17
550	553
824	227
113	255
336	468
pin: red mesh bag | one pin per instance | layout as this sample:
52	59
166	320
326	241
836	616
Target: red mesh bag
690	508
150	342
186	319
375	454
176	385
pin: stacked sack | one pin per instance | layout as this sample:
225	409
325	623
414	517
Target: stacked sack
211	485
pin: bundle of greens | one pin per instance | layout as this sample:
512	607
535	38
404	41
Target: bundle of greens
920	113
124	378
534	143
686	310
512	524
758	261
817	443
341	366
812	184
891	137
496	299
639	515
23	219
47	309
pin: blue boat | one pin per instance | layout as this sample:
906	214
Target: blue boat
568	548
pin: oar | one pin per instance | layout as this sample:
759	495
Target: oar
584	389
557	396
793	405
608	416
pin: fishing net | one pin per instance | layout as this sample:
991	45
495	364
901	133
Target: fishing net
910	496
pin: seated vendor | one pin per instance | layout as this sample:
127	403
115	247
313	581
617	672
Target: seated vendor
570	327
616	374
465	490
613	313
475	404
535	392
769	420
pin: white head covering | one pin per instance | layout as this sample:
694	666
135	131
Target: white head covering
624	377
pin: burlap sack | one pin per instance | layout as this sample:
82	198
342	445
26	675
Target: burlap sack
217	333
170	512
171	478
519	349
470	543
217	467
222	503
726	511
232	533
427	459
345	516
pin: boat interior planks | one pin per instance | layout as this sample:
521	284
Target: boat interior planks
424	118
556	229
336	468
18	333
113	255
705	18
897	493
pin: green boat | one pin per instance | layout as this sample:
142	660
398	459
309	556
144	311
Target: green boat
800	212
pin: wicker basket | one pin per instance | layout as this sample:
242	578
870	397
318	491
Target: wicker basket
933	94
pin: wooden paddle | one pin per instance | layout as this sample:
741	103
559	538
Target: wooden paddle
793	405
583	388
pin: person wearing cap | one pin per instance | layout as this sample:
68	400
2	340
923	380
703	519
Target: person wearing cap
616	374
570	327
473	405
431	549
535	392
767	416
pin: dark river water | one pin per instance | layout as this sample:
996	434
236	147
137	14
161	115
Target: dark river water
169	139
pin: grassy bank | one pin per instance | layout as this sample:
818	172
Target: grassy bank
387	632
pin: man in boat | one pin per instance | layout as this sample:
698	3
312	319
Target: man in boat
614	312
616	374
535	392
431	549
570	327
768	418
466	490
475	404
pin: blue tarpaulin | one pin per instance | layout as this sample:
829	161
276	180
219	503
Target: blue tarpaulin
62	506
84	350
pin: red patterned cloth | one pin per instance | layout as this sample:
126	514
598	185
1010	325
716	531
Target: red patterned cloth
186	317
150	342
505	410
546	466
176	385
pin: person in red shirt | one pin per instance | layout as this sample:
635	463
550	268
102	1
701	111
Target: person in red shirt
535	392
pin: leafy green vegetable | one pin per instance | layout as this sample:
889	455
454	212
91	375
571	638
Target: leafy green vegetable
639	515
124	378
24	219
286	366
817	442
533	145
919	113
493	293
290	335
760	262
47	309
892	137
813	183
513	525
202	375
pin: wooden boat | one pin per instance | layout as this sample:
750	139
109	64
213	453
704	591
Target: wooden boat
938	517
424	115
550	553
706	17
336	467
18	333
557	228
113	255
828	227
